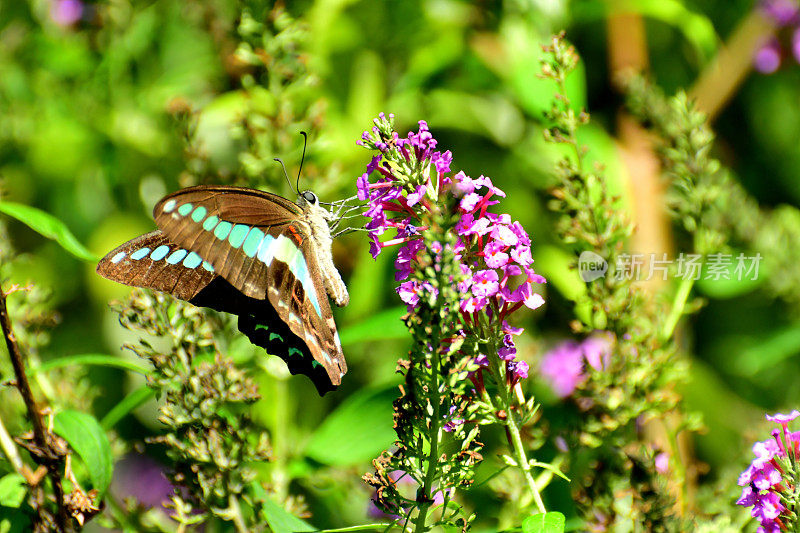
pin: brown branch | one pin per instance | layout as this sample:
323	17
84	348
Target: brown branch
46	450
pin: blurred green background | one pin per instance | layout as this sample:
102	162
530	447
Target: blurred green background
103	113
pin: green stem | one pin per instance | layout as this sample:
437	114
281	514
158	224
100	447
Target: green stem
434	437
678	305
510	421
236	514
10	450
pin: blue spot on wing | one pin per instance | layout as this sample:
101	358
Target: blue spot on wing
192	260
140	253
176	257
159	253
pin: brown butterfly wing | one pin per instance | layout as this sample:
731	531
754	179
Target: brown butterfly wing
153	261
297	292
227	226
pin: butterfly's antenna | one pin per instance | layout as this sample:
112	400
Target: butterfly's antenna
305	142
286	175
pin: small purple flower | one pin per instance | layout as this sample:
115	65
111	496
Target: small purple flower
442	160
523	293
463	184
783	419
662	463
66	12
470	304
769	507
409	293
522	255
484	181
509	330
374	245
518	370
482	226
454	422
767	59
485	283
405	257
373	164
414	198
748	497
782	12
362	184
504	235
522	235
597	349
765	477
470	201
507	353
796	44
494	255
765	450
562	367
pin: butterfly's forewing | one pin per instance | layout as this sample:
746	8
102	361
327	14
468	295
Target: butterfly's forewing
153	261
228	227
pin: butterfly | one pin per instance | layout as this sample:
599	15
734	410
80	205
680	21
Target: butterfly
253	254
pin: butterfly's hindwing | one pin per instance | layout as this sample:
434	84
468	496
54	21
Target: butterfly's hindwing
297	293
153	261
262	324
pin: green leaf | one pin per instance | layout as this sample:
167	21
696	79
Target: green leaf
85	435
544	523
380	326
278	518
126	405
358	430
12	490
48	226
95	359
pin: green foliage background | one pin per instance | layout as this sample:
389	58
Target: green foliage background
93	131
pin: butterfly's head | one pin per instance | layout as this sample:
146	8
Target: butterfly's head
307	198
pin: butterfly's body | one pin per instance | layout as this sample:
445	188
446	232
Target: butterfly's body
253	254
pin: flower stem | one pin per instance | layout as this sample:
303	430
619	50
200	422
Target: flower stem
236	514
510	420
434	436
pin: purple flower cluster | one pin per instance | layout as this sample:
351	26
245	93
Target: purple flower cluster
769	482
785	14
564	367
403	181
